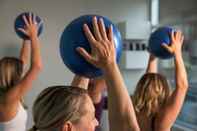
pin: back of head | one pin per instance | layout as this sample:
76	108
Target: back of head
56	105
151	94
10	72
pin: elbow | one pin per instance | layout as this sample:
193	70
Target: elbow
133	128
38	66
132	125
127	127
184	85
136	128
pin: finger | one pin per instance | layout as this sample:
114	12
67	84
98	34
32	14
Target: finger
96	29
102	29
182	38
110	33
89	35
168	48
25	20
173	36
39	24
34	19
22	30
111	37
177	35
86	55
30	18
180	35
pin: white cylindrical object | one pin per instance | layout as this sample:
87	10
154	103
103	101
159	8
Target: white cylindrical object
154	12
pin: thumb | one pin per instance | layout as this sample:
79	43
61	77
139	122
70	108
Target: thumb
23	31
168	48
86	55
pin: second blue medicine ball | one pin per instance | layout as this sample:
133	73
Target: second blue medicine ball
19	23
73	37
157	38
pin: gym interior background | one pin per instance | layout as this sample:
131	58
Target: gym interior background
135	18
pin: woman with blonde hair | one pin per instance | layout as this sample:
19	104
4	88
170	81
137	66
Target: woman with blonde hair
13	86
155	105
69	108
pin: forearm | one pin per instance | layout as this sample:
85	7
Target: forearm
120	106
25	52
80	81
176	100
36	60
152	64
173	106
180	72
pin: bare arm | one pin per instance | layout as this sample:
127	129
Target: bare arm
96	87
24	54
80	81
17	92
121	113
175	102
152	64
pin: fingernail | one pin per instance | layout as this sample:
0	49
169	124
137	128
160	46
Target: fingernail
78	48
85	26
94	18
101	19
111	26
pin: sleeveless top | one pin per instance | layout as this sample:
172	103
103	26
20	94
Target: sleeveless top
18	123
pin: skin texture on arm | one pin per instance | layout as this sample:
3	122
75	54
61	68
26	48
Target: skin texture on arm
152	64
96	87
166	119
16	93
25	53
121	113
80	81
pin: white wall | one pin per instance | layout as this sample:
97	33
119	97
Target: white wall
118	10
56	15
177	11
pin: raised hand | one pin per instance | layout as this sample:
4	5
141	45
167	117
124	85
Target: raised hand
177	42
102	45
31	26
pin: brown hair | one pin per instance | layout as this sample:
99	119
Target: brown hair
56	105
151	94
11	70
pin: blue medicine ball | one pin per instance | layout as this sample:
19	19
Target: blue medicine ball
19	23
73	37
157	38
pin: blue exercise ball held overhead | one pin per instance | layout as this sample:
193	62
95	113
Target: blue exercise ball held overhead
160	36
73	37
19	23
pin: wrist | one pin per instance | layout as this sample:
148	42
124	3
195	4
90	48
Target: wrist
178	57
33	37
110	69
109	66
178	53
